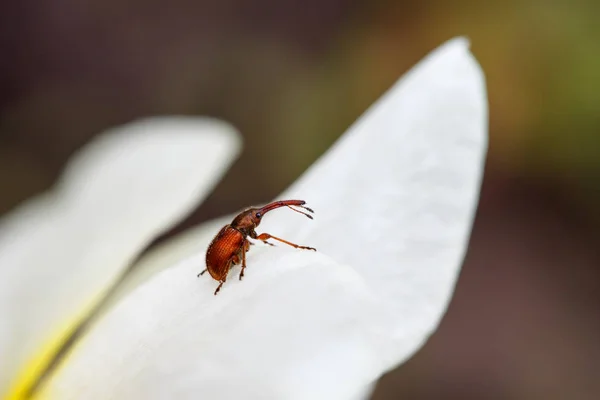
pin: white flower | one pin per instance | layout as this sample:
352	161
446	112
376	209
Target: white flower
394	201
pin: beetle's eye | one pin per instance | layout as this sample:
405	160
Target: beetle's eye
258	215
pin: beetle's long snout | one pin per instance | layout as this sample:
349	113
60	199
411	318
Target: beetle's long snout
288	204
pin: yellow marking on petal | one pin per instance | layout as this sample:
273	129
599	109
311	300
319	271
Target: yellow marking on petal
38	364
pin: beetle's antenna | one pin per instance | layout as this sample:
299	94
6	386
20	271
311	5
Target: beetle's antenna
298	211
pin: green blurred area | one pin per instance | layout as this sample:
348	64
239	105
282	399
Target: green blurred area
292	76
293	90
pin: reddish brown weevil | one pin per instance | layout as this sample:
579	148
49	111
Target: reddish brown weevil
230	245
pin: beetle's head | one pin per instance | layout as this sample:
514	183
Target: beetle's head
247	219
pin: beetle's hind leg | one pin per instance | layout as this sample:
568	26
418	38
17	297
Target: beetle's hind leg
202	273
219	287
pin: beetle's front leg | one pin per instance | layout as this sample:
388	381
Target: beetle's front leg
265	236
254	235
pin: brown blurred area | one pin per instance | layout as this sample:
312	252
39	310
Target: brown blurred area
292	75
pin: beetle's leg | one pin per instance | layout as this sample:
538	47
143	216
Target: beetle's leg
221	282
202	273
244	260
265	236
235	260
219	287
254	235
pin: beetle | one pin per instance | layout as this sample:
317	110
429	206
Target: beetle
230	245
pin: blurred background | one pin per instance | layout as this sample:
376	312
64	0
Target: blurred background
292	76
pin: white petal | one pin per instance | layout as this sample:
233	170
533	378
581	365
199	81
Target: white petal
394	201
61	251
294	326
395	197
163	256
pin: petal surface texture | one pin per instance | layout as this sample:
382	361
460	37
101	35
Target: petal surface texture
62	251
394	201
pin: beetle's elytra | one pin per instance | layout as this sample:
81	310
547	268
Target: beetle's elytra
230	245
